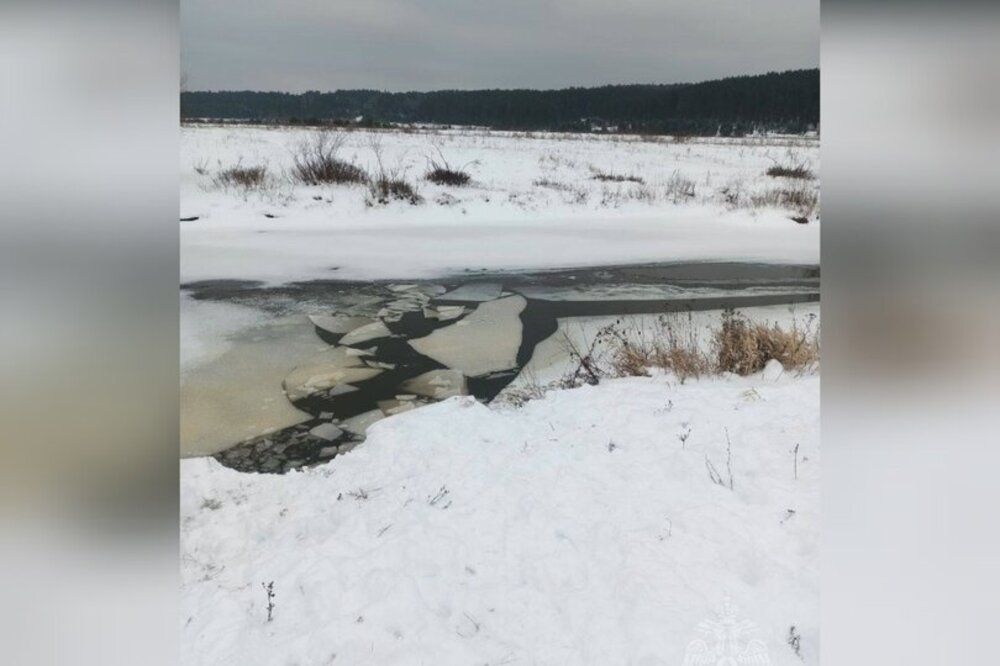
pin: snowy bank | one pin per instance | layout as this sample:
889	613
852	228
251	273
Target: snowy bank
534	202
582	528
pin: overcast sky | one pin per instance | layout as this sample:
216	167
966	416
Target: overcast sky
297	45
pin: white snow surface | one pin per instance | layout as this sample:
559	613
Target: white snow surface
578	529
533	204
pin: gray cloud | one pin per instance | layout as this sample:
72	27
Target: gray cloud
297	45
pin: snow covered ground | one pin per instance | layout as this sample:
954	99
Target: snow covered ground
638	521
582	528
533	203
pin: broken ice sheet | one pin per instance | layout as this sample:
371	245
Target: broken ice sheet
444	312
390	407
326	431
485	341
437	384
357	425
365	333
339	324
328	369
474	291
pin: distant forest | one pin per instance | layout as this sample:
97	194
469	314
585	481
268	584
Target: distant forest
777	102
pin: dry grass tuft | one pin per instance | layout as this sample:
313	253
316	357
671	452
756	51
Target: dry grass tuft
445	176
240	177
316	162
440	172
673	348
744	347
801	200
737	346
680	188
384	188
386	184
799	171
607	177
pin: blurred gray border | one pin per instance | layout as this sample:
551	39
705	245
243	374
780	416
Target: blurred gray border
88	268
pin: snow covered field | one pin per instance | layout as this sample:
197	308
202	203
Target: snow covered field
607	524
534	202
583	528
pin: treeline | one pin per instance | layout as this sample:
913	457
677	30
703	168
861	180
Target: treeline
781	102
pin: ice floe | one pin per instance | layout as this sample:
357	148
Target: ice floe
485	341
339	324
357	425
474	291
326	431
331	369
365	333
437	384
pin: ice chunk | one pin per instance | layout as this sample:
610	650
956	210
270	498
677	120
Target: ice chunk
339	324
326	431
390	407
486	341
444	312
365	333
328	379
474	291
437	384
418	289
331	369
357	425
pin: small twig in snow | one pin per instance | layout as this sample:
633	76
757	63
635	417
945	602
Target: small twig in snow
441	494
714	474
269	590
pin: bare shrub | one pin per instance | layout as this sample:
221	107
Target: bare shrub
799	171
440	172
315	162
444	176
679	187
673	347
386	184
792	167
744	347
382	189
802	200
241	177
607	177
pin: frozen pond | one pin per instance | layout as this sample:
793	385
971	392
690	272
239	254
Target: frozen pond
330	358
